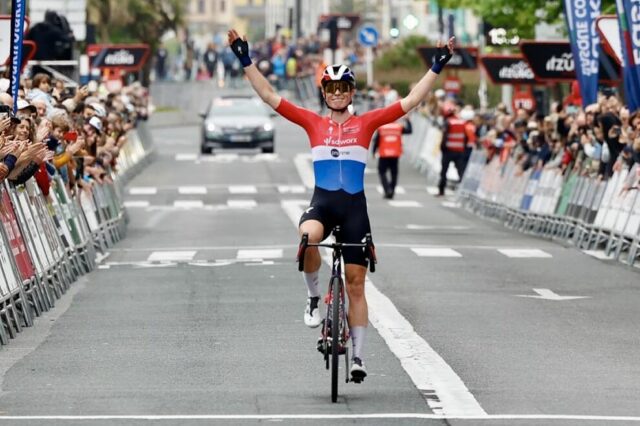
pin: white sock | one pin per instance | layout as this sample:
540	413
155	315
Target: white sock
311	280
357	339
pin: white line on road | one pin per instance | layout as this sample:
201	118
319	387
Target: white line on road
186	157
143	190
398	190
192	190
242	204
188	204
291	189
436	252
546	294
372	416
158	256
405	203
259	254
525	253
243	189
598	254
437	227
136	203
428	371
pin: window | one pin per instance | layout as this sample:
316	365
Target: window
223	5
201	6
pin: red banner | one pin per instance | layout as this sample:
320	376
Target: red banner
16	242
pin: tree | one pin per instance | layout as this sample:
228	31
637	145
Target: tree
141	21
518	15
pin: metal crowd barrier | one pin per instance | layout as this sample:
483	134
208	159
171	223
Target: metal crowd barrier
46	243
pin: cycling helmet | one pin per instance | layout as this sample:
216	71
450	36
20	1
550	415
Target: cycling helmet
338	73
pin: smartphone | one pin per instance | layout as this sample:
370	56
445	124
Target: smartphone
70	136
5	110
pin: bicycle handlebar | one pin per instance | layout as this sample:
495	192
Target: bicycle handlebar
368	245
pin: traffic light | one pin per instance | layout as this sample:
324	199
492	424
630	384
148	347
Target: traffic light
394	31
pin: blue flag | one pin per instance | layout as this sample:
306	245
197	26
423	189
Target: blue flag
17	34
628	17
581	18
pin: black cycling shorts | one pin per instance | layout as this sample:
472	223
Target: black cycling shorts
349	211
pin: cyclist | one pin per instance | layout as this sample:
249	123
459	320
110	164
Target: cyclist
339	147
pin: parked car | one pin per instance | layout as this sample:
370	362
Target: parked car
237	123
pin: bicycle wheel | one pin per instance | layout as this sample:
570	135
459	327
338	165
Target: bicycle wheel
336	286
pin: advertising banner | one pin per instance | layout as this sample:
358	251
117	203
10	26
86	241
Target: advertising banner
581	18
629	18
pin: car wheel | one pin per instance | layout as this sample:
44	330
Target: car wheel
267	150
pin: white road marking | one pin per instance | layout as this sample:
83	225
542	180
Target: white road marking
243	189
242	204
451	204
188	204
305	169
428	371
404	203
291	189
598	254
186	157
432	190
437	227
104	266
435	252
416	416
192	190
546	294
100	257
525	253
159	256
136	203
399	190
143	190
259	254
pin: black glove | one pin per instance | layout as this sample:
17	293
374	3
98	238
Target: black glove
241	49
442	57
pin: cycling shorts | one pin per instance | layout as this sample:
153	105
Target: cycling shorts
349	211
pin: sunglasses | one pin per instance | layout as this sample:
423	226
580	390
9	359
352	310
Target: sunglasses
340	86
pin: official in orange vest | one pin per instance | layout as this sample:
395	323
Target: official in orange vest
453	145
388	144
471	139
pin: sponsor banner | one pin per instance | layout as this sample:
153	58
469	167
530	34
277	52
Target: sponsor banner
16	242
126	57
464	58
18	13
609	30
629	21
552	61
508	69
580	16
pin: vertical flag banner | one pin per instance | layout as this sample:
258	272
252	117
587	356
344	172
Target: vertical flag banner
629	17
17	35
581	18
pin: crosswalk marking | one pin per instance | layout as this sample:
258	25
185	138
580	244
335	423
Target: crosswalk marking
192	190
188	204
243	189
451	204
186	157
598	254
398	190
259	254
291	189
136	203
524	253
242	203
158	256
435	252
404	203
143	190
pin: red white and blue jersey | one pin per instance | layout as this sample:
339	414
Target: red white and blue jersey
339	151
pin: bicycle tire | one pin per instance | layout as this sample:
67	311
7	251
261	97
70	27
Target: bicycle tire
335	336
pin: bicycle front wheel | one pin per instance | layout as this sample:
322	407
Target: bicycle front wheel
336	287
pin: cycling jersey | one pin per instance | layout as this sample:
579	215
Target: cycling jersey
339	151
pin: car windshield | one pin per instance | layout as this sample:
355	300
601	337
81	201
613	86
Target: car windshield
235	107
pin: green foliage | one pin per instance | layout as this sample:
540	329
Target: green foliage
518	15
403	55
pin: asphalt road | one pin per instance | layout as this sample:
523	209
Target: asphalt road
196	317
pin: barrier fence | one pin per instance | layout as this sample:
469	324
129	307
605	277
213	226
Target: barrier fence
589	213
46	243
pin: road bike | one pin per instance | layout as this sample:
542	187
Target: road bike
336	322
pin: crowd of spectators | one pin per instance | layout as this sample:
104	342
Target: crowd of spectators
75	133
594	141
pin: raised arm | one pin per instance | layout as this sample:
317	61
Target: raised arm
420	91
260	84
